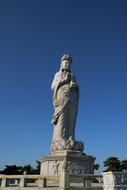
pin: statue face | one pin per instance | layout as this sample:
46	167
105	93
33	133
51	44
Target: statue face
66	65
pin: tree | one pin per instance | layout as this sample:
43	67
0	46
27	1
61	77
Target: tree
96	166
124	164
38	166
18	170
112	164
28	169
12	170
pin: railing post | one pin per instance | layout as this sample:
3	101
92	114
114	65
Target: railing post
87	182
22	182
3	182
64	179
42	182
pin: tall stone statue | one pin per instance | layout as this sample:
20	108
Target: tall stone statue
66	154
65	99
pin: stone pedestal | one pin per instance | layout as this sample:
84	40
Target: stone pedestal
75	161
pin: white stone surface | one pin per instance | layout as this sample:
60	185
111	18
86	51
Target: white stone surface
77	163
115	180
65	100
50	167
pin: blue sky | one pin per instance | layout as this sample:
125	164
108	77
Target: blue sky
33	37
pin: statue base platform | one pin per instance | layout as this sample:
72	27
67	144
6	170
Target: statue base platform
76	162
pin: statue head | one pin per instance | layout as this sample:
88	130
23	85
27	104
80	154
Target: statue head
66	61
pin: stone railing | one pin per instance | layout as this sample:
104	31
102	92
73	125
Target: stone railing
115	180
80	181
31	181
38	182
88	181
66	180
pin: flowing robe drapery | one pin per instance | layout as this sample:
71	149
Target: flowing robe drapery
65	100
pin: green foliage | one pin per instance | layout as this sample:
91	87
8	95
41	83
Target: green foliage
19	170
12	170
112	164
28	169
38	166
124	164
96	166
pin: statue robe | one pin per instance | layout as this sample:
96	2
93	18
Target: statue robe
65	100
